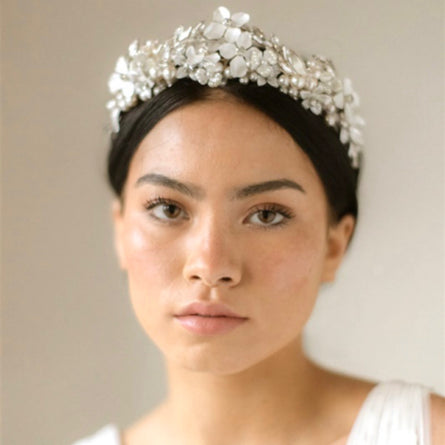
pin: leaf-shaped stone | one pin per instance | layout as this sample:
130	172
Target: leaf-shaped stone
344	136
181	72
111	104
232	34
347	87
273	81
297	63
261	81
182	33
193	58
356	135
133	48
115	83
240	18
316	107
228	50
238	67
339	100
221	14
121	65
214	31
127	89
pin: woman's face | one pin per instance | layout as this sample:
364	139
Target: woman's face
222	206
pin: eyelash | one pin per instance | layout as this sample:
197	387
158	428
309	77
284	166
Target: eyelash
275	208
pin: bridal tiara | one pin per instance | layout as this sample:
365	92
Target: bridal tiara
229	48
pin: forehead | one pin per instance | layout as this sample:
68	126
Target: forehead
224	142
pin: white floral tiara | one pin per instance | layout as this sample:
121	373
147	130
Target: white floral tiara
227	48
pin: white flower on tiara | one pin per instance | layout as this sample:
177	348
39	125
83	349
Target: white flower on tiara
228	48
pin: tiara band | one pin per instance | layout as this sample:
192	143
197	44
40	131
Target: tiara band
228	48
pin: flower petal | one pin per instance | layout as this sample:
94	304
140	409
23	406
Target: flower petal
240	18
214	31
244	40
238	67
221	14
227	50
232	34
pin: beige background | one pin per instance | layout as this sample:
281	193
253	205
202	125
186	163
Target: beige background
74	357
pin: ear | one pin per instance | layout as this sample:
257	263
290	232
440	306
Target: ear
118	217
337	241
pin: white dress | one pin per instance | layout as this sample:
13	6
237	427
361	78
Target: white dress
393	413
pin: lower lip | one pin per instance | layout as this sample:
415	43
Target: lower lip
199	324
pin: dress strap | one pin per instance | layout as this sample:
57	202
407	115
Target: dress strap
394	412
107	435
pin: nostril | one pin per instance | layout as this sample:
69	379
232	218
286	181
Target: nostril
226	279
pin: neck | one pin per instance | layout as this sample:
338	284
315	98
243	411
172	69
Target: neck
269	402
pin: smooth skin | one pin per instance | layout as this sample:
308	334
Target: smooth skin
188	229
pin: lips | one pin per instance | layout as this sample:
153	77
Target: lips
208	319
208	310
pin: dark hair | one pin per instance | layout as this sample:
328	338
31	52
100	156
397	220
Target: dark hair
319	141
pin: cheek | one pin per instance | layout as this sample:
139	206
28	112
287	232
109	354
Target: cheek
288	276
293	264
152	267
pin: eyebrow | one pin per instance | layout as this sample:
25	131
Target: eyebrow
198	193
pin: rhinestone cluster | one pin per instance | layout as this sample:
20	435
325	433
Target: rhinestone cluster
228	48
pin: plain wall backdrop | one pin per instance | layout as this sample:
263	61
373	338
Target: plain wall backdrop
73	354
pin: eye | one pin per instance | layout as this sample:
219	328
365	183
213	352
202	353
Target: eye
270	215
164	209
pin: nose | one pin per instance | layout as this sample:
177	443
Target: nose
212	257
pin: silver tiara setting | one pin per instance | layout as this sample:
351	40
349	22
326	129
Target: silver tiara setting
228	48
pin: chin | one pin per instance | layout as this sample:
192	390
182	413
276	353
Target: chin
211	359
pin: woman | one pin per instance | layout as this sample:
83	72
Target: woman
235	165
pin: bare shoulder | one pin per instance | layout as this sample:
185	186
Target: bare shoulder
437	406
344	398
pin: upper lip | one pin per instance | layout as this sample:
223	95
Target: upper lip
209	309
